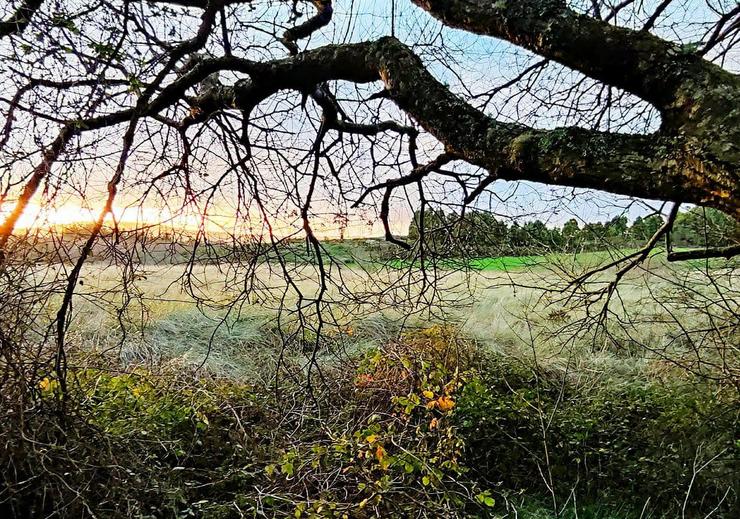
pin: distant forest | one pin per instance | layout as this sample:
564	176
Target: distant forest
479	233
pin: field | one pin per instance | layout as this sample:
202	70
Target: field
581	260
494	302
499	399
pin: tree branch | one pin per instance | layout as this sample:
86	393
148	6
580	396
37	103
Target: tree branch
20	19
697	99
655	166
715	252
636	61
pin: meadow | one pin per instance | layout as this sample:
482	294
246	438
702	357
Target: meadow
501	398
492	300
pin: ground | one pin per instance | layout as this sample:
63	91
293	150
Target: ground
499	401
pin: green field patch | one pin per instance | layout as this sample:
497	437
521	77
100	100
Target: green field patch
488	264
506	262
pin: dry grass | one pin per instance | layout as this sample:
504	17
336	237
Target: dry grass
197	323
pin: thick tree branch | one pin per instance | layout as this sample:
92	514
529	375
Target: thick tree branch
698	100
715	252
656	166
699	103
636	61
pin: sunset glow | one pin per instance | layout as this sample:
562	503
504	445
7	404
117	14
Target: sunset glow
47	216
217	220
39	216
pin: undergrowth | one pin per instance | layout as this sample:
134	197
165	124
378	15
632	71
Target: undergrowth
423	425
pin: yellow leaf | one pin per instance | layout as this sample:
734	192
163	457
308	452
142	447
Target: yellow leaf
371	438
44	384
428	394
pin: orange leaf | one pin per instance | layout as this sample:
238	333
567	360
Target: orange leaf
445	403
380	453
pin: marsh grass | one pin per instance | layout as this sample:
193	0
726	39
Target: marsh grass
507	312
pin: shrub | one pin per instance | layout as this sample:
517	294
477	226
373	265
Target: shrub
625	443
422	425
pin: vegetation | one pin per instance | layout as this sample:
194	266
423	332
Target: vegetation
453	420
479	234
427	422
209	308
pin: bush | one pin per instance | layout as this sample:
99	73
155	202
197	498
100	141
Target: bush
529	430
124	445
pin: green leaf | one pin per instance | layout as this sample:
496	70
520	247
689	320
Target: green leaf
485	498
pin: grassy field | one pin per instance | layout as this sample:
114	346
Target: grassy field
500	303
500	399
507	263
547	261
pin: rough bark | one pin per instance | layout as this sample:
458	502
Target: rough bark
649	166
699	101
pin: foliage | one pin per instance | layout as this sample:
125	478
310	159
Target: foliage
424	424
479	234
392	449
629	442
705	227
125	445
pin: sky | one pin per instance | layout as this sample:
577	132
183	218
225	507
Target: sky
469	64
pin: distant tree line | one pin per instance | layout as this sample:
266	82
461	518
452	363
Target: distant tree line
479	233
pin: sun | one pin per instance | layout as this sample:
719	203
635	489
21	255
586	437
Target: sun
50	216
37	216
45	216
